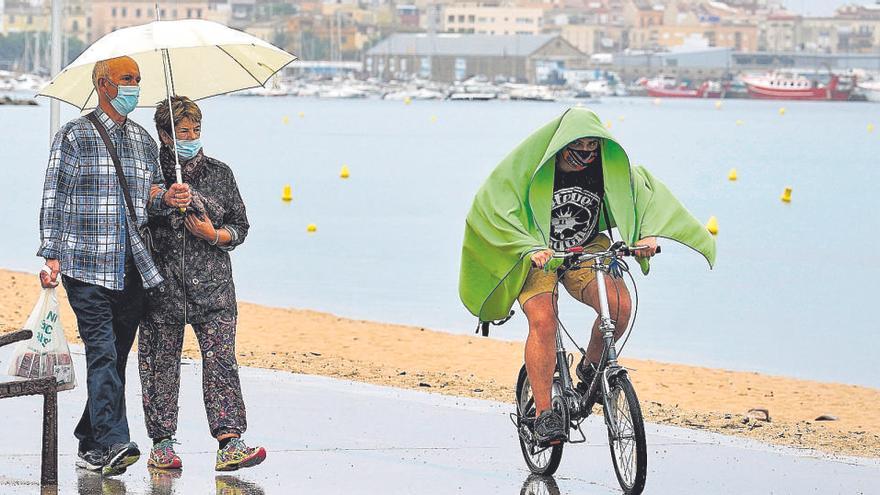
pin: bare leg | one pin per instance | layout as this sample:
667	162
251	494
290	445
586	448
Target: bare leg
619	305
540	354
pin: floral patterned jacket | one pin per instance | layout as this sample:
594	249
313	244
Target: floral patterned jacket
198	284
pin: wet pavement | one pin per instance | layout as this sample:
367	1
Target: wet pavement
333	436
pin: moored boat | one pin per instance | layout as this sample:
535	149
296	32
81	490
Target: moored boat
871	90
668	87
778	86
706	90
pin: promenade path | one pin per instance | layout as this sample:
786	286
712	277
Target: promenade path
333	436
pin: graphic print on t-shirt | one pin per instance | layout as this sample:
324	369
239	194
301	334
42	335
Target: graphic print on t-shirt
574	217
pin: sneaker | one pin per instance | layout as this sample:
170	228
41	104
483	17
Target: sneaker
237	454
120	456
162	456
549	429
92	460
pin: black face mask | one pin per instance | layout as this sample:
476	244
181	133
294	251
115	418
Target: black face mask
581	158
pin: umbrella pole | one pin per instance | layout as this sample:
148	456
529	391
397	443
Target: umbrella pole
165	66
171	115
165	63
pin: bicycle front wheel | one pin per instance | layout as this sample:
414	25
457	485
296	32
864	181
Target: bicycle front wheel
628	446
543	461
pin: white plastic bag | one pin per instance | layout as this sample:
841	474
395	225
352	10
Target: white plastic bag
47	352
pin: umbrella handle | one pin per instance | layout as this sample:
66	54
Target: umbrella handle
179	178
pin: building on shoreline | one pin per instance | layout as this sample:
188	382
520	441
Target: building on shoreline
455	57
481	18
109	15
717	63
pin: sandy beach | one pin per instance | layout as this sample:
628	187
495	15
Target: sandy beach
718	400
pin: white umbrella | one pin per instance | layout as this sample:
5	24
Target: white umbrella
205	59
197	58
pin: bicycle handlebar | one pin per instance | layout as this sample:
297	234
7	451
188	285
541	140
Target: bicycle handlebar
621	250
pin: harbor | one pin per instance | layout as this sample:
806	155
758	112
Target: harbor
18	88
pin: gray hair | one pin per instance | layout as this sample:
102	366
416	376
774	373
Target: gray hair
101	69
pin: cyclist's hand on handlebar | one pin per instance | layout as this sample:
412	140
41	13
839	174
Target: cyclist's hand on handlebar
645	248
540	258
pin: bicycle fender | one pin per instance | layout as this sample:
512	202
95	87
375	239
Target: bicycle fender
610	374
615	372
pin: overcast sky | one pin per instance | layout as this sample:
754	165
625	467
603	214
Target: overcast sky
819	7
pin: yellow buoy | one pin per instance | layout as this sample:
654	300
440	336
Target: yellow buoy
732	174
407	100
285	120
656	101
786	195
608	124
312	228
344	172
718	105
712	225
870	127
286	194
739	122
782	111
302	114
433	118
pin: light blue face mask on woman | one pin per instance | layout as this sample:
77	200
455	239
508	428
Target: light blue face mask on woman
188	149
126	98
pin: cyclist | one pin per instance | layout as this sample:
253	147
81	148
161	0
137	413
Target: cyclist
560	189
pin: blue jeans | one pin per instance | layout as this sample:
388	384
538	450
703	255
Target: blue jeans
107	321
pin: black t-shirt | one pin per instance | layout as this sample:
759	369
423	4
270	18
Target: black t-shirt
577	199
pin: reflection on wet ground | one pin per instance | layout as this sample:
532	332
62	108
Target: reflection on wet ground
333	436
230	485
536	484
161	483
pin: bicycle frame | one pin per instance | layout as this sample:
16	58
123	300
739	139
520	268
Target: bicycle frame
608	365
621	409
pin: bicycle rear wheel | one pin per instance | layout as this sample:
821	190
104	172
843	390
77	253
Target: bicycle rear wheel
540	461
628	446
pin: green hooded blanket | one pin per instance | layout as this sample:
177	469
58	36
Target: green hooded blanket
510	216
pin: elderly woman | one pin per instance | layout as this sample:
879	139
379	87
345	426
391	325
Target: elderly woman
192	252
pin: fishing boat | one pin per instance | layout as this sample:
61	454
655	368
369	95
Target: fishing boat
668	87
784	86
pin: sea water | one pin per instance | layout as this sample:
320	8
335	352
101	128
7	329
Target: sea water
793	291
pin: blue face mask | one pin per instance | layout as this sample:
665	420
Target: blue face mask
126	98
188	149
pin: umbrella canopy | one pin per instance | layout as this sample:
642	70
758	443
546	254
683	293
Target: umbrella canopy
205	58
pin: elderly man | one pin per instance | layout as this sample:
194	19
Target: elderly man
89	236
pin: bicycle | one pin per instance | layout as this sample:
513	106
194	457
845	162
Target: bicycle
610	387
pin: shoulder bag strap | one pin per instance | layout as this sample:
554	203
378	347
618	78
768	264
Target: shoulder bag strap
119	174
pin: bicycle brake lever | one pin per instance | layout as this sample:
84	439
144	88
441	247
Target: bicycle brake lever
616	268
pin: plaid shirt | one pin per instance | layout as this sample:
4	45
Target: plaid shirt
83	219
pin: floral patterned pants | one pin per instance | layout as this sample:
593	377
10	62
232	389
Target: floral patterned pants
159	349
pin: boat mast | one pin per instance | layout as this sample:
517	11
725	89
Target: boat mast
55	67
